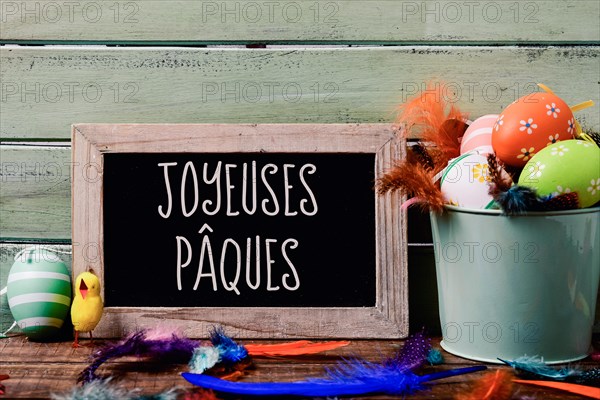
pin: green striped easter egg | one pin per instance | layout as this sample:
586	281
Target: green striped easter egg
39	293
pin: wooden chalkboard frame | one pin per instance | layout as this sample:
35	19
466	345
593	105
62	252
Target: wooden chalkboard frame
389	317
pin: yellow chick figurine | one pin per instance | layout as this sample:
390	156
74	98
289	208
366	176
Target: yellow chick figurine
87	307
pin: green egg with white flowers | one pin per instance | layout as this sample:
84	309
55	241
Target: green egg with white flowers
565	167
39	293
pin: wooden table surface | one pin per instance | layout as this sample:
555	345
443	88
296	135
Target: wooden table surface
38	370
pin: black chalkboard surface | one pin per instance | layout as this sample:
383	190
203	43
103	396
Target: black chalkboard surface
239	230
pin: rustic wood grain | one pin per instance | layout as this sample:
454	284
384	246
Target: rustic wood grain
46	89
36	192
39	369
301	21
387	319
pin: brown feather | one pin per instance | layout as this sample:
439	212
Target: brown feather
430	157
422	155
415	181
501	181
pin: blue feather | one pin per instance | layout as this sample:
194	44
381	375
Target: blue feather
353	378
536	367
229	350
518	200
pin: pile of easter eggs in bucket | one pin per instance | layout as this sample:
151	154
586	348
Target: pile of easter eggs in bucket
533	156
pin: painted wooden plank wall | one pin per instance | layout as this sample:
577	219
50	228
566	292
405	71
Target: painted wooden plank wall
46	89
35	200
355	21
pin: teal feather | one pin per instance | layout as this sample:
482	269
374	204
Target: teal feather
204	358
535	367
435	357
106	390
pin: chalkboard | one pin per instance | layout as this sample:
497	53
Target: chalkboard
304	230
271	230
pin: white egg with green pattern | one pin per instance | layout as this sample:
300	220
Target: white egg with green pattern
466	180
565	167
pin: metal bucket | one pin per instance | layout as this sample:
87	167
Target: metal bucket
518	285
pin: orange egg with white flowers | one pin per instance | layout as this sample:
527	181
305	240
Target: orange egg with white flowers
530	124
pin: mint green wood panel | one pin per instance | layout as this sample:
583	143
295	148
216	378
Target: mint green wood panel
35	199
46	89
369	21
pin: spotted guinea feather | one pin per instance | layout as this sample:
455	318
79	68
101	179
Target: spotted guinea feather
563	201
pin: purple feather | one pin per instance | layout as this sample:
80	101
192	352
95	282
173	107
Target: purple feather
413	354
173	347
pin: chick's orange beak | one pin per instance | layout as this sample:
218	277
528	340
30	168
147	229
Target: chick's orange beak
83	289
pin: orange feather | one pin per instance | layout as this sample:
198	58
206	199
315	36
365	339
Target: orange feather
200	394
492	386
581	390
300	347
429	116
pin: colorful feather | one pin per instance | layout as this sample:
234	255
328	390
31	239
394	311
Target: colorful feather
415	181
587	391
301	347
230	351
434	120
168	345
535	367
412	355
3	377
419	153
435	357
563	201
204	358
106	390
171	348
518	200
495	385
199	394
353	378
588	375
500	180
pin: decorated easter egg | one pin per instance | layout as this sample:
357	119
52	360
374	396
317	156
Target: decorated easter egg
478	136
568	166
465	182
39	293
528	125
